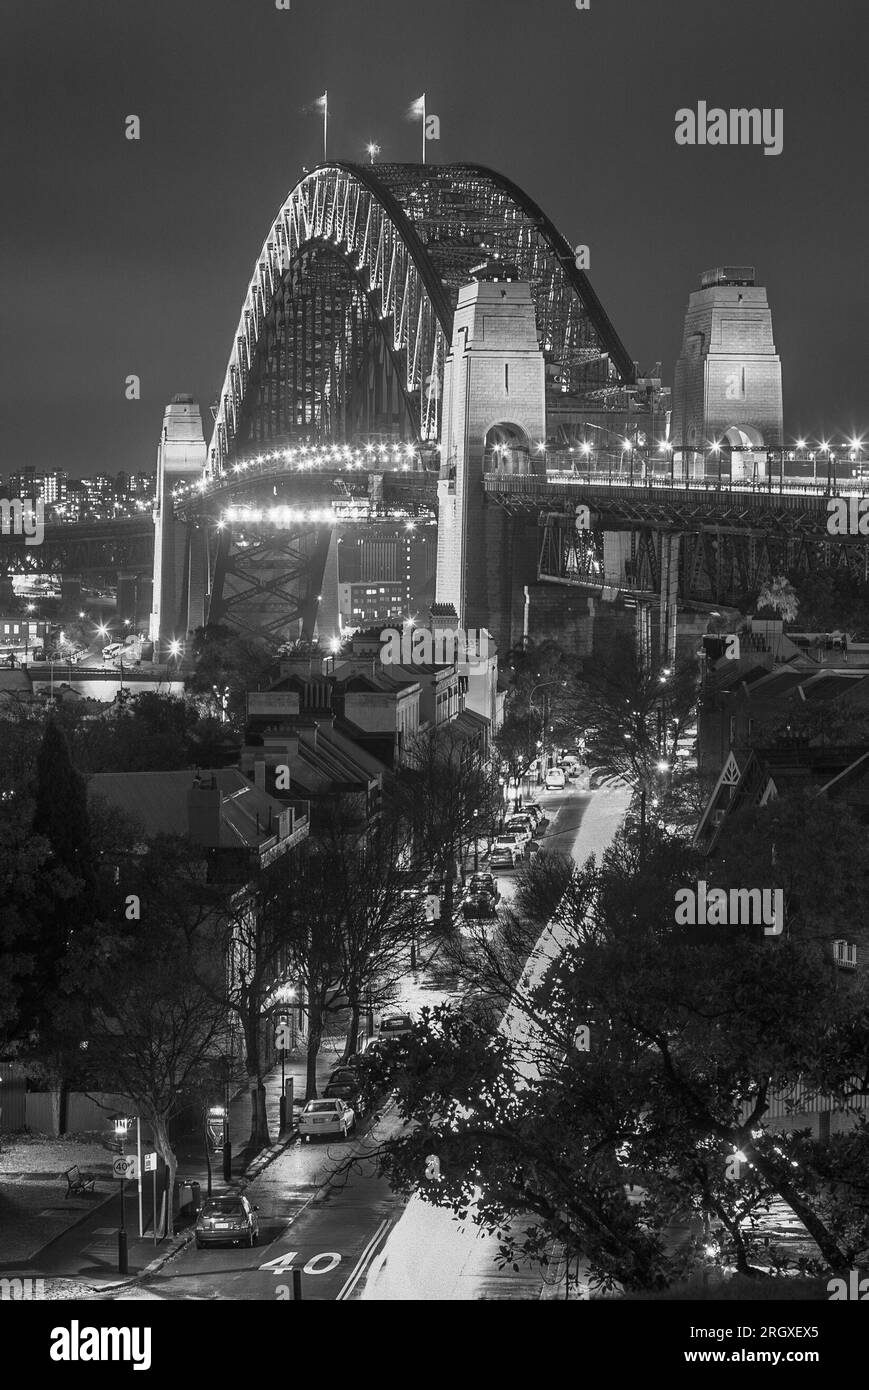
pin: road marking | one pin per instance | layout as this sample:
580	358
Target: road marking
331	1255
280	1263
363	1261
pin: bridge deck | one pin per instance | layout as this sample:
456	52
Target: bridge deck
696	504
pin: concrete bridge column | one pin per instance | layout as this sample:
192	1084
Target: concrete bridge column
181	457
494	415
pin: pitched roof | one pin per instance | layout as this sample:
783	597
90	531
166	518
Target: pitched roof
248	816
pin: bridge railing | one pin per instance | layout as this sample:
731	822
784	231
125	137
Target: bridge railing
795	486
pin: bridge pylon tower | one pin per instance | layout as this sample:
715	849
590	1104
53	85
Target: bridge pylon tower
179	575
494	418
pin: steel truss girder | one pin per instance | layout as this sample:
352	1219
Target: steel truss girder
410	234
267	583
715	566
86	548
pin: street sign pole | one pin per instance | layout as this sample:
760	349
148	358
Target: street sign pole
150	1165
122	1233
139	1167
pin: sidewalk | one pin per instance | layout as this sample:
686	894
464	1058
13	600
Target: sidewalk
87	1251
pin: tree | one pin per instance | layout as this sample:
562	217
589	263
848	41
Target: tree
640	1051
634	716
831	599
779	597
381	920
444	794
30	880
61	813
515	745
227	660
316	916
142	997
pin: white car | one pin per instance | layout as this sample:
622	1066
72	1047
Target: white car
323	1117
555	780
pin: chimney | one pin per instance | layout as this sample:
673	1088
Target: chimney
203	813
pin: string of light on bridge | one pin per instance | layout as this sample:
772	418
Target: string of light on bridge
404	458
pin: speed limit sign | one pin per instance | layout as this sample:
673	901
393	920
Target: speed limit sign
125	1167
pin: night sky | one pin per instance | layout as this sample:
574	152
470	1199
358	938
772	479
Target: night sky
121	257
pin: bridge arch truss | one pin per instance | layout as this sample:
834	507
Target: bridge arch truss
348	314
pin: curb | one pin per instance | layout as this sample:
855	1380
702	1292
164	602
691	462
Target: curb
31	1259
180	1242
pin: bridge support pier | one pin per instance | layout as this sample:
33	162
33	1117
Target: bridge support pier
494	416
180	458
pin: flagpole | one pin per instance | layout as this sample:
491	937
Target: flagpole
423	127
325	125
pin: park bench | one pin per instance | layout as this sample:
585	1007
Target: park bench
78	1182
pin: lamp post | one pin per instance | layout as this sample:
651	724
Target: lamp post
286	995
544	717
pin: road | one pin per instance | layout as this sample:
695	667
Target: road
460	1262
333	1225
329	1227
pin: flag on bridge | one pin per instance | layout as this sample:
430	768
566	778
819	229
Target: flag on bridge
321	104
417	109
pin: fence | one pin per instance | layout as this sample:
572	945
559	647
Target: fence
12	1097
38	1110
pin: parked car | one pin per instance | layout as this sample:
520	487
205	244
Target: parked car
484	883
344	1085
395	1026
555	780
227	1221
506	851
523	826
530	808
324	1117
479	905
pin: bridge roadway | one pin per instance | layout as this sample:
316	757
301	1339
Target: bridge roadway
787	506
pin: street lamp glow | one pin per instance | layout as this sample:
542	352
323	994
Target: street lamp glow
174	647
663	766
801	444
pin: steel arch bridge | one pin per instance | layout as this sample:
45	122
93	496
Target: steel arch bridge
348	315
